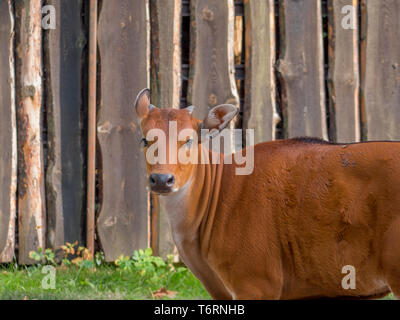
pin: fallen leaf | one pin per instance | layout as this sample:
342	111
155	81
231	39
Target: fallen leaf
163	292
77	260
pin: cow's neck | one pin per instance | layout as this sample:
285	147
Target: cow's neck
191	210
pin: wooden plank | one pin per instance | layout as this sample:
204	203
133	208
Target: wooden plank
64	177
91	129
31	198
301	69
212	80
238	49
124	50
381	79
166	53
363	42
165	93
260	112
8	135
343	75
162	242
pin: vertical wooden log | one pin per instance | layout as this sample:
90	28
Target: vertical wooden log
343	75
381	79
124	50
238	45
238	39
166	53
362	48
92	122
162	242
301	69
260	111
64	177
165	92
212	80
31	199
8	134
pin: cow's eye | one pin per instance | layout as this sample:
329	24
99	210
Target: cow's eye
189	142
145	142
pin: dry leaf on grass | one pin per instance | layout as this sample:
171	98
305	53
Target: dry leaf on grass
163	292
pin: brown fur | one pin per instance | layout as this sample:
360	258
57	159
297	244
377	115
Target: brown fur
306	211
285	231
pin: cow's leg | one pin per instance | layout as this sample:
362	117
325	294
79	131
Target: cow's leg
202	270
247	283
391	257
256	289
247	278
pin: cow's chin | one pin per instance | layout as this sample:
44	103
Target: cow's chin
163	191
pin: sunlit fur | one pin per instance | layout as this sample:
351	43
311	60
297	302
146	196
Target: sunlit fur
287	230
159	118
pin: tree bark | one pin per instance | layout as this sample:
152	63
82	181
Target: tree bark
31	198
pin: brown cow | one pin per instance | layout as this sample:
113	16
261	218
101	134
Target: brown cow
287	230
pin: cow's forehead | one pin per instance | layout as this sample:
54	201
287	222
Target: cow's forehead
161	118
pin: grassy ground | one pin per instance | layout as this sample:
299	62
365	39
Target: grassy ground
80	276
141	276
104	282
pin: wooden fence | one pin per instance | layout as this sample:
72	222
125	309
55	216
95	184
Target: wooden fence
292	66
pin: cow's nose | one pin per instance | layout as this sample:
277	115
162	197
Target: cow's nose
161	182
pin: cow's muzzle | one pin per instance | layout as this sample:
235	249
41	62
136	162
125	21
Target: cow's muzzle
161	183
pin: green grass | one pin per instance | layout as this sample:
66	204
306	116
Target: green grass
389	297
103	282
141	276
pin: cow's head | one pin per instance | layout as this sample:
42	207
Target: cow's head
171	170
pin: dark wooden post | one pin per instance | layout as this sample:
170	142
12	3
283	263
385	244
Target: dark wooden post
65	191
8	137
124	48
301	69
380	63
344	73
260	111
91	174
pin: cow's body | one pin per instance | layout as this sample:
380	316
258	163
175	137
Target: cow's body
287	230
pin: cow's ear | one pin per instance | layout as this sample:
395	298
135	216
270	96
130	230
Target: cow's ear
142	103
219	117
